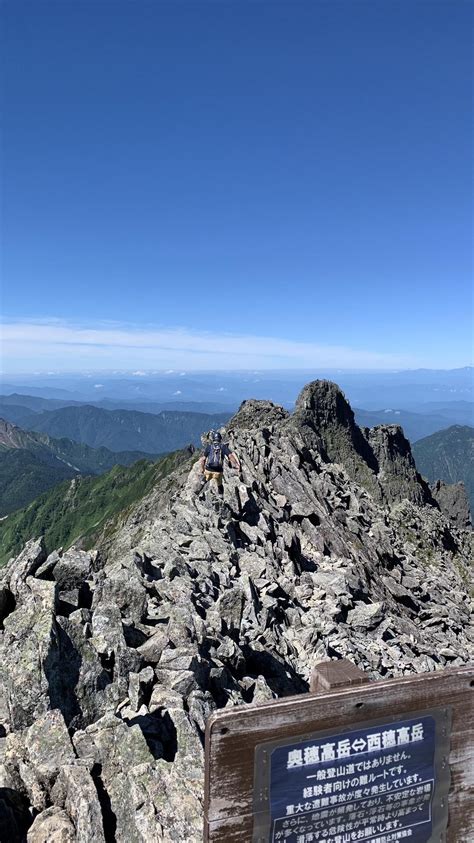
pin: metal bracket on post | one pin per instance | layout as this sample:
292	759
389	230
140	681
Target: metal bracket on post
329	676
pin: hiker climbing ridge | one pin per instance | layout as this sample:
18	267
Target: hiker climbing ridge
212	460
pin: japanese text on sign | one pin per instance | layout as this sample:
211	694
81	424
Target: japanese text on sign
376	783
373	741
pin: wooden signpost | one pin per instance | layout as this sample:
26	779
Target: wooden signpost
352	760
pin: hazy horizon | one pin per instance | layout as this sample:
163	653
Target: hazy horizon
411	389
144	373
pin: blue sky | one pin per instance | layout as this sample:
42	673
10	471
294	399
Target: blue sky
233	184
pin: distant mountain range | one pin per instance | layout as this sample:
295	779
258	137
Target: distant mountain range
31	463
417	425
22	409
410	389
448	455
23	403
120	430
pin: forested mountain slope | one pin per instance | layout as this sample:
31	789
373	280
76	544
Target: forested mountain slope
122	430
448	455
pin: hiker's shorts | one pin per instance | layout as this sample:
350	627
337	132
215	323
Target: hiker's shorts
213	475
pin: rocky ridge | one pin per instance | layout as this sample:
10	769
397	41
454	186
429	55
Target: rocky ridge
328	544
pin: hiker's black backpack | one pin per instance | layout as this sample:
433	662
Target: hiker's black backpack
215	459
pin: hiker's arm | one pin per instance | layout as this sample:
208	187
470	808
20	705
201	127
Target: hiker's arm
203	460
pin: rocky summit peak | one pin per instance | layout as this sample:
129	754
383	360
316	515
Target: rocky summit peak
327	544
379	459
254	414
323	402
12	436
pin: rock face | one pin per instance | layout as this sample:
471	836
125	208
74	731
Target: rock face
379	459
453	501
327	545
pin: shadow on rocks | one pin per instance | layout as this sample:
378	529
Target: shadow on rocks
109	818
62	669
159	732
15	818
280	677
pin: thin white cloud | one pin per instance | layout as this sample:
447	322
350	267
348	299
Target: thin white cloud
27	344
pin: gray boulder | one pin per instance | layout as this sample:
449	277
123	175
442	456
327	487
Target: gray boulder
52	825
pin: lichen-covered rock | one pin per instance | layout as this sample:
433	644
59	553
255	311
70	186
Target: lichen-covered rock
74	567
28	652
76	792
17	570
53	825
39	752
119	754
366	615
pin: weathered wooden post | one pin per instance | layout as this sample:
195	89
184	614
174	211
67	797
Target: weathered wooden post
329	676
352	760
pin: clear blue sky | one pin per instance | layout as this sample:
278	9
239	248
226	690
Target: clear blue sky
240	170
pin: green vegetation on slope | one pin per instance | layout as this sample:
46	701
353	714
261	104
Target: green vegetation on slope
79	508
31	463
23	476
90	460
448	455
